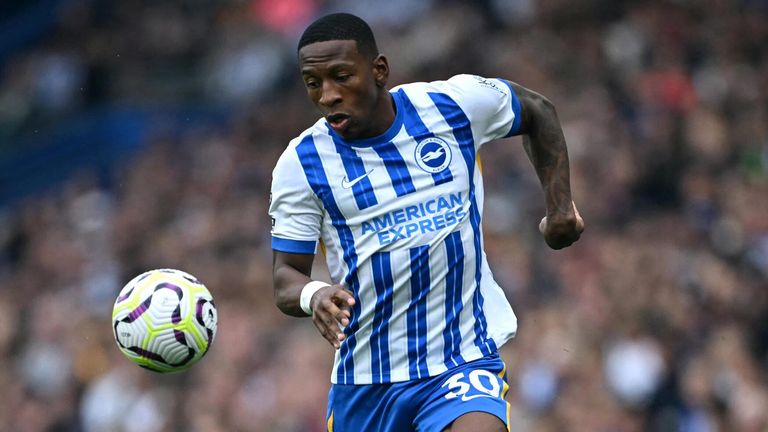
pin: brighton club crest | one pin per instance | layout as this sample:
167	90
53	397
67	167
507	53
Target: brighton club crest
433	155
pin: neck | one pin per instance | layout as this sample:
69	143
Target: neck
385	110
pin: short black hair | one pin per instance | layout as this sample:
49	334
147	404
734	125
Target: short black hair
341	26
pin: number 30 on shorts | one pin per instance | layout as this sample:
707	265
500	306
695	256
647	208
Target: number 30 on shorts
479	382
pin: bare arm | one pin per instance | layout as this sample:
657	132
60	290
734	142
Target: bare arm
331	306
544	143
290	272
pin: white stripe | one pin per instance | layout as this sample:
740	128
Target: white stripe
469	351
362	353
331	163
398	336
438	265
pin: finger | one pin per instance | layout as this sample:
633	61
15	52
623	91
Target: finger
579	219
327	335
328	328
343	297
340	315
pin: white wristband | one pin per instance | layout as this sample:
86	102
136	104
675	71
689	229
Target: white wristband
307	292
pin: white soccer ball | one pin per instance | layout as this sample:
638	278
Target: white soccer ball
164	320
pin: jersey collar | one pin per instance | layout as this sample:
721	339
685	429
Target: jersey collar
386	137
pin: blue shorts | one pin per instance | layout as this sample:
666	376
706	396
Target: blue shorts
429	404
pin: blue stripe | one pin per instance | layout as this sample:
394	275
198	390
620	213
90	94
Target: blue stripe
453	304
416	128
462	131
354	168
416	317
294	246
515	129
313	169
382	281
396	168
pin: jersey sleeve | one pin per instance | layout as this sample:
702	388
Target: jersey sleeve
295	210
490	104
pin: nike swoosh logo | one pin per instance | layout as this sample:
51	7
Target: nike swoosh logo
465	398
347	184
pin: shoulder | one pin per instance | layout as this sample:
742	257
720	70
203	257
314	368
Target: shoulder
476	86
458	84
467	90
490	105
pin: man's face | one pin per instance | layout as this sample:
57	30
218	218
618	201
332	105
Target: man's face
340	82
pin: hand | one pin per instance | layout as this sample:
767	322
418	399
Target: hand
562	230
332	308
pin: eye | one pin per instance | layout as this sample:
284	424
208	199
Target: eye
311	84
343	77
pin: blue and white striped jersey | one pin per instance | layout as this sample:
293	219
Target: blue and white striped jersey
399	216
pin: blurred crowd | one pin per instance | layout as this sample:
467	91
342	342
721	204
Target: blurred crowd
656	320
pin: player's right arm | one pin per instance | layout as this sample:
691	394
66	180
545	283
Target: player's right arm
297	216
331	306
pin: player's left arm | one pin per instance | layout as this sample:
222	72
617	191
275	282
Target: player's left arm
544	143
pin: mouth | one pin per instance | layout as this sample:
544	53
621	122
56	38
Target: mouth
339	121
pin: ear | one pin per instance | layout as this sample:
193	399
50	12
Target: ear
381	71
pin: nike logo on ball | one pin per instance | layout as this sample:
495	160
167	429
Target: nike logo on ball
347	184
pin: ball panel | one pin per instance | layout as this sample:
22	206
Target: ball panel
129	334
171	347
165	308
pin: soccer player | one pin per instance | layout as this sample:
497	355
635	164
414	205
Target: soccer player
388	185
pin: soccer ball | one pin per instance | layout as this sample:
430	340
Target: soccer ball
164	320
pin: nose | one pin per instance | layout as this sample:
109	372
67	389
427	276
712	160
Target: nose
330	94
